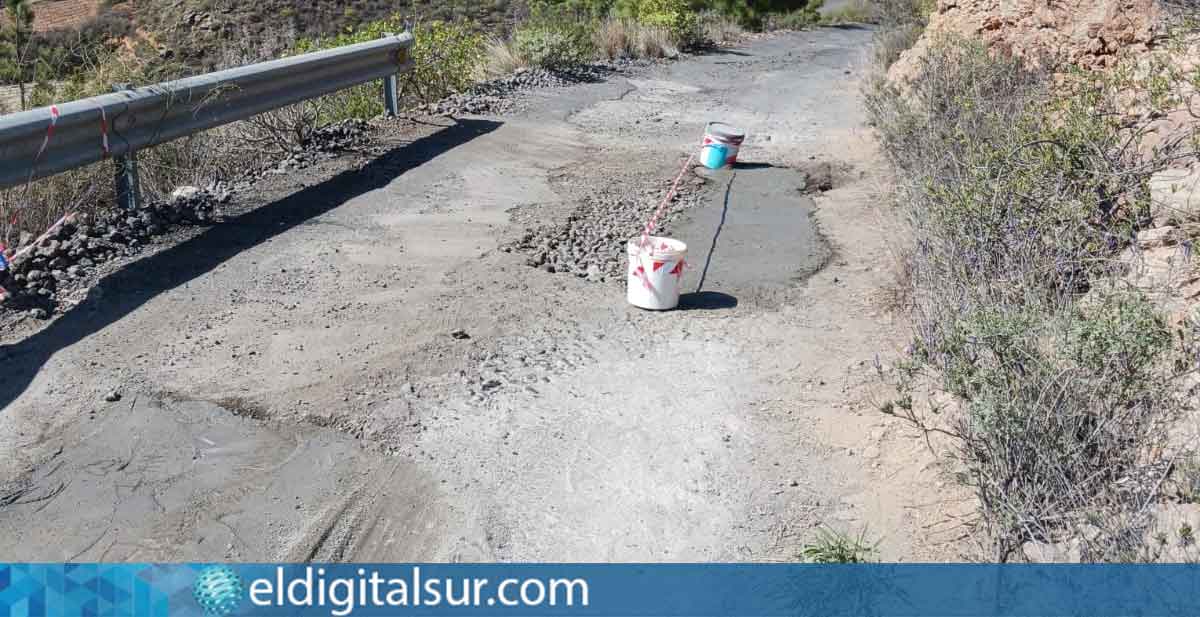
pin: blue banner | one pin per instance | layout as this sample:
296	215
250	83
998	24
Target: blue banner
673	590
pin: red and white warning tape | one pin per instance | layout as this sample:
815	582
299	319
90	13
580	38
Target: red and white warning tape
7	260
653	222
45	141
46	234
640	270
104	132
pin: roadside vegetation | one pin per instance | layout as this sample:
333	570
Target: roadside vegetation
830	546
1043	368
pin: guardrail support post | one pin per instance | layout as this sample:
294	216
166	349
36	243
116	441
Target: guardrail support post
129	190
391	91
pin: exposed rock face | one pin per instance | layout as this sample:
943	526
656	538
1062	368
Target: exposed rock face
49	15
1174	196
1088	33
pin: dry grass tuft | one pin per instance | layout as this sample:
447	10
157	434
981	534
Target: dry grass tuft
500	58
653	42
721	29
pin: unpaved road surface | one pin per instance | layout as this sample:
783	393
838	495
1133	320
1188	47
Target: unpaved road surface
363	364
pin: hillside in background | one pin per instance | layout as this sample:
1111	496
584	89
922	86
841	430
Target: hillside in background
64	14
1091	34
207	34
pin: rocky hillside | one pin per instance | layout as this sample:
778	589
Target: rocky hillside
1087	33
207	34
63	14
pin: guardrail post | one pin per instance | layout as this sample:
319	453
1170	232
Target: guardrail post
129	190
391	91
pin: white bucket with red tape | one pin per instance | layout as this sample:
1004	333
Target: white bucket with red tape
726	135
655	272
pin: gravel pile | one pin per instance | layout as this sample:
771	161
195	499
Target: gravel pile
324	143
590	243
64	260
77	247
496	96
340	136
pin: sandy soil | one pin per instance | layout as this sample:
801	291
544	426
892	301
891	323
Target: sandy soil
291	389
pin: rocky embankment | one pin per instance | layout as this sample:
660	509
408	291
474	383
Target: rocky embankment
1093	34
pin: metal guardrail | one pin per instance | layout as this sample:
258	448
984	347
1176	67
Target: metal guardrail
49	140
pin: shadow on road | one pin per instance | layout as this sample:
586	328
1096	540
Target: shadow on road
741	165
706	301
850	26
140	281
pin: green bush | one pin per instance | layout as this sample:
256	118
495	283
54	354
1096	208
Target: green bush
799	19
755	13
675	16
590	9
837	547
445	56
1020	194
857	11
554	42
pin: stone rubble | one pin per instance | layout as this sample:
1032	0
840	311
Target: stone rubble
496	96
590	243
64	260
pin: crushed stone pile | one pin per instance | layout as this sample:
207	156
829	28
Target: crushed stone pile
63	259
496	96
590	242
324	143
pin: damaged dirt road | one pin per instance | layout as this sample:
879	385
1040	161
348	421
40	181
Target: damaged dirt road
383	358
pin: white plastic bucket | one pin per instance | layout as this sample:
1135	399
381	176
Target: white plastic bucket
655	272
726	135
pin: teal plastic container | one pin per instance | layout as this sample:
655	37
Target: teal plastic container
713	156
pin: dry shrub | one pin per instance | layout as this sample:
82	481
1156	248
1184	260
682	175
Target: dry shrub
1019	198
626	38
616	38
889	43
720	29
31	208
28	210
198	159
282	131
891	13
500	59
799	19
656	42
854	12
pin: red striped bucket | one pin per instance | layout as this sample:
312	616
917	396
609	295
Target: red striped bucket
726	135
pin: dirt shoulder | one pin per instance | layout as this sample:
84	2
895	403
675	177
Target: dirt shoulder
367	366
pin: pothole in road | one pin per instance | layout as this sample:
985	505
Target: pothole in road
746	226
590	242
